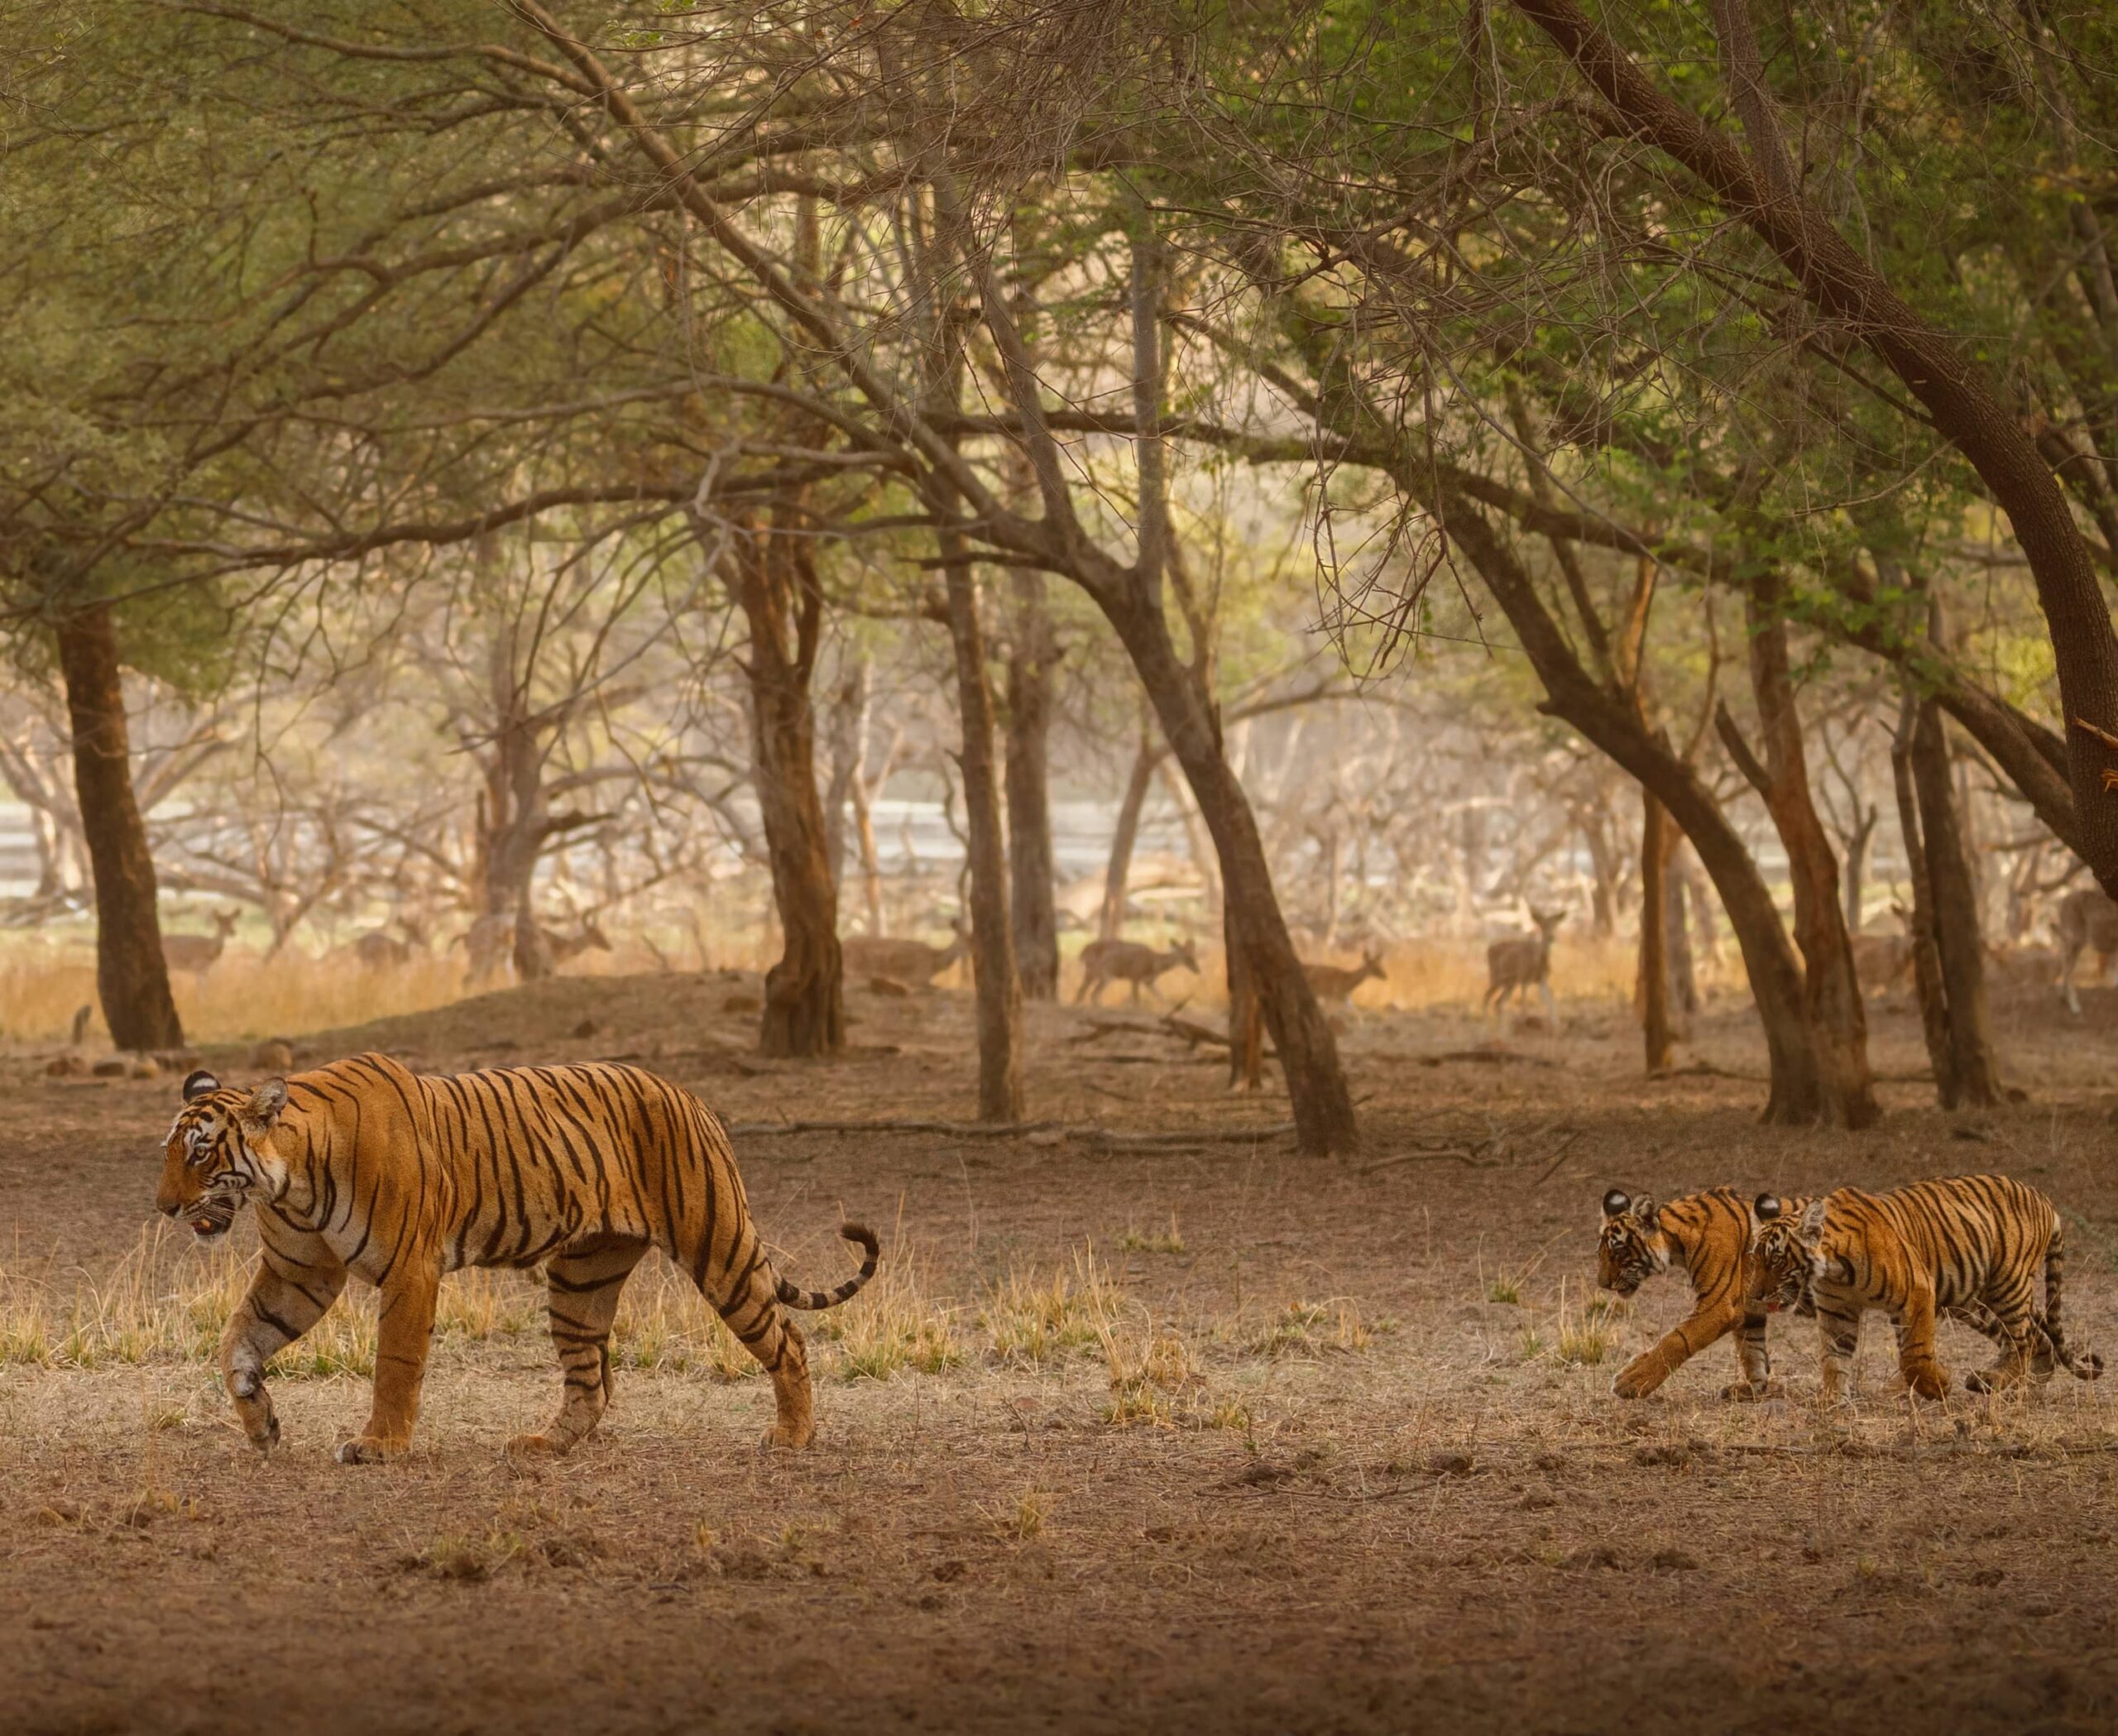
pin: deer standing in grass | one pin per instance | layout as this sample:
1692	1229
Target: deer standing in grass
1105	961
1514	967
1337	982
490	943
378	949
197	952
2087	922
912	961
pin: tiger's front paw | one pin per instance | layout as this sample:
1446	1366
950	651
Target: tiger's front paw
368	1450
1637	1379
1927	1381
1754	1392
783	1437
537	1446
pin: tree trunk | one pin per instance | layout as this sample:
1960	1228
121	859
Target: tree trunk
1677	885
1926	956
1956	927
1258	933
1856	867
1246	1017
775	586
1125	834
1653	973
1198	841
131	976
992	936
1610	722
1830	990
849	753
1031	901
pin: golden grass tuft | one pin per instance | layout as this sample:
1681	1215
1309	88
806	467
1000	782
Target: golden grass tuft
1030	1320
892	1327
1133	1240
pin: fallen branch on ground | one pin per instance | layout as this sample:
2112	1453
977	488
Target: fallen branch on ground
1055	1132
1493	1057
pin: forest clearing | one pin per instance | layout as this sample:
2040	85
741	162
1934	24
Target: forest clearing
1099	865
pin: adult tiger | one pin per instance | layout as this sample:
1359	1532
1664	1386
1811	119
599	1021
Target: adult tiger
1968	1247
1709	1235
365	1167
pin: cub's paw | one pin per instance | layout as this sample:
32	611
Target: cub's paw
1637	1379
780	1438
368	1450
1754	1392
1927	1381
536	1446
266	1438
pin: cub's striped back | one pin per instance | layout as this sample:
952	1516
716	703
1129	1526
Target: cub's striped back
1969	1247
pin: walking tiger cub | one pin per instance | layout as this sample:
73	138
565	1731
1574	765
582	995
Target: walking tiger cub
1969	1247
1709	1235
363	1167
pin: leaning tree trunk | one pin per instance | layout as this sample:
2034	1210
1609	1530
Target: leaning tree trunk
1957	932
1124	835
1256	930
1246	1015
776	588
1032	903
992	938
1654	975
1830	990
1611	723
131	976
1920	932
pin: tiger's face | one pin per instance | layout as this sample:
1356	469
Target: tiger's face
220	1150
1787	1255
1632	1247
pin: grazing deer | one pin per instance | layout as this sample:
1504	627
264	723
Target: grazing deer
1513	967
490	944
2087	922
197	952
1337	982
378	949
1127	960
1880	960
902	961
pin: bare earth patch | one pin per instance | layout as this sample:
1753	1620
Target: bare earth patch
1208	1436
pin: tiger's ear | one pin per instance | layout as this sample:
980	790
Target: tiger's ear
1813	1217
198	1084
1616	1203
1644	1208
264	1105
1766	1207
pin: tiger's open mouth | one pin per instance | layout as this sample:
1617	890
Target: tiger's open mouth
210	1219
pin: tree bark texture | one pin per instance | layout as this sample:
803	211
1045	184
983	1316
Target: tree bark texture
992	934
775	586
1830	990
1125	834
132	976
1031	901
1957	937
1654	978
1926	956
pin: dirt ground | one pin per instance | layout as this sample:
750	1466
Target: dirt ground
1310	1471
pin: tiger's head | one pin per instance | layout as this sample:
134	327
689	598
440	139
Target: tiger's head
219	1148
1633	1247
1786	1254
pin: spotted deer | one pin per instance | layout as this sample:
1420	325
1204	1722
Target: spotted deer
902	960
378	949
1105	961
1337	982
197	952
1513	967
2088	923
490	944
1880	960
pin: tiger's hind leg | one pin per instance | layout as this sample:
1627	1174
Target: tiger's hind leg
1754	1357
584	1285
2015	1328
753	1312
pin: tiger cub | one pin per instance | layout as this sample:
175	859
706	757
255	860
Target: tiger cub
1968	1247
1709	1235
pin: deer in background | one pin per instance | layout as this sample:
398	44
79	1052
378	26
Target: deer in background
1337	982
197	952
378	949
1105	961
1880	960
490	944
1513	967
2087	922
912	961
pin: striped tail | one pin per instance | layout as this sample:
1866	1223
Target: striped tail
795	1298
2082	1364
